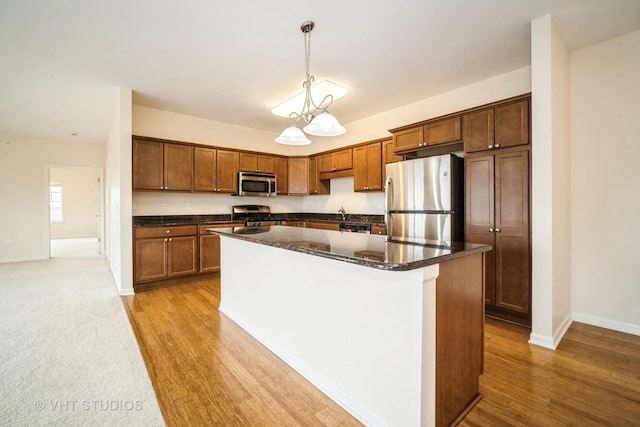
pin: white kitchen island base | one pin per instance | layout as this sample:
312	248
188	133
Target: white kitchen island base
365	337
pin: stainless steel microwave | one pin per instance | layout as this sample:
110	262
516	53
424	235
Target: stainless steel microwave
257	184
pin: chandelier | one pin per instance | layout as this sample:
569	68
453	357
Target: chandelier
319	121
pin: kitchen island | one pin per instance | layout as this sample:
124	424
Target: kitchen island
392	331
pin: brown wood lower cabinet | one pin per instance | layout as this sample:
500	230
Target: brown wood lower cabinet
378	229
168	255
497	214
322	225
210	247
165	252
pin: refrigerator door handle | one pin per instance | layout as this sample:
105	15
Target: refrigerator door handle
387	203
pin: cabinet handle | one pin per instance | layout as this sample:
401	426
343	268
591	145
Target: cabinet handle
168	231
497	230
496	146
491	230
490	147
170	239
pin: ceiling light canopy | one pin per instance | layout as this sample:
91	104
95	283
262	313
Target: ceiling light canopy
318	91
319	121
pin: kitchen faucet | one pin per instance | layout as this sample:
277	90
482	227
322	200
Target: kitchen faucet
343	212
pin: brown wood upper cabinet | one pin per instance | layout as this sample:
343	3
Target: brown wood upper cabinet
162	166
252	162
367	167
432	133
299	176
282	174
215	170
316	186
388	154
335	161
499	127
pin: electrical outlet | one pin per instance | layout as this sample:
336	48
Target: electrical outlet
161	206
7	241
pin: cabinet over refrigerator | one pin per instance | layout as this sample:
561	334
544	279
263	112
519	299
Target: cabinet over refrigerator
425	199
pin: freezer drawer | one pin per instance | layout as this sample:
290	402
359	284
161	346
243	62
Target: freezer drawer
422	225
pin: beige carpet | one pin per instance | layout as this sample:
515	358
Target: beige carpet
68	355
76	247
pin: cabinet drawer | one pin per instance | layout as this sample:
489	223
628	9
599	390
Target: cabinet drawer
183	230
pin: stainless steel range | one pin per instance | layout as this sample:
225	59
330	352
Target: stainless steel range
255	215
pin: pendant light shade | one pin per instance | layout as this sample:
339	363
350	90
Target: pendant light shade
315	115
324	124
293	136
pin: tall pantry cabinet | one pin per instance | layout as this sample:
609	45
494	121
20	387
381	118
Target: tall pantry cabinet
497	205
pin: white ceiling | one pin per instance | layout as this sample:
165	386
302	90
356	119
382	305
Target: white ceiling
62	60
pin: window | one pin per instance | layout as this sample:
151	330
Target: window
55	202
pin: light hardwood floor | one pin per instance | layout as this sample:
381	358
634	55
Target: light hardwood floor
207	371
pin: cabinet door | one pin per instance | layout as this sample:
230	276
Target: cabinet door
209	253
299	176
248	162
343	160
325	163
227	171
442	131
178	167
374	166
148	165
479	213
367	165
477	131
512	231
204	163
408	139
360	179
314	178
266	164
150	259
512	124
182	256
388	155
282	166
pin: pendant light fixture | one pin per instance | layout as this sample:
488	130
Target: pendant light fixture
319	121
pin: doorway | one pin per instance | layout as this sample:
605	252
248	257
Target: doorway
75	200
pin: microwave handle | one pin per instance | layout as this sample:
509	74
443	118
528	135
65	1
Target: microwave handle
269	187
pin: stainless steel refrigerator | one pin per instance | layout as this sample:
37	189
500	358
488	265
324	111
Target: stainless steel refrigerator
425	199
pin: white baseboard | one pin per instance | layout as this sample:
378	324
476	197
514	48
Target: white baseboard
7	260
552	342
615	325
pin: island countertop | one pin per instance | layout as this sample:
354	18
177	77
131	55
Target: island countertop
369	250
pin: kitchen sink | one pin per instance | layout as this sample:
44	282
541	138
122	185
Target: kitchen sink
355	228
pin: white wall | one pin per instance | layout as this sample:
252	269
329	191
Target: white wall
79	204
605	91
118	195
24	201
163	124
551	226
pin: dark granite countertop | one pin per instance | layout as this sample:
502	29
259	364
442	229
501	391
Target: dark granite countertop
368	250
169	220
